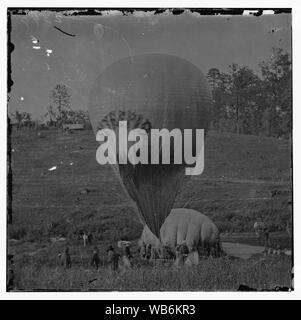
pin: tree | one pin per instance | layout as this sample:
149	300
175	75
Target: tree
277	92
244	86
220	83
18	118
52	116
254	104
61	99
234	97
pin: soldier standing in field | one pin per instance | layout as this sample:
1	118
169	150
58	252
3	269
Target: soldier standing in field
180	257
90	238
95	259
263	233
60	260
266	237
148	252
85	238
113	259
68	263
127	257
142	251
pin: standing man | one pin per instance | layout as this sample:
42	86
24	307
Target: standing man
95	258
180	257
113	259
266	237
127	257
68	263
90	238
85	238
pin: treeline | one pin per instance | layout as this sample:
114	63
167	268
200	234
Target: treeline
244	102
24	120
57	114
254	103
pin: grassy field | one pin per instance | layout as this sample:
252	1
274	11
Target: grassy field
245	178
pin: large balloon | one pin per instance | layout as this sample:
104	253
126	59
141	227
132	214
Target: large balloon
151	91
184	225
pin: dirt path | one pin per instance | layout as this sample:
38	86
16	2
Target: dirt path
240	250
244	181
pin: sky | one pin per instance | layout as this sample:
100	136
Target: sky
52	48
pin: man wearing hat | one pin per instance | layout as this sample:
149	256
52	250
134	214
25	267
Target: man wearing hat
113	258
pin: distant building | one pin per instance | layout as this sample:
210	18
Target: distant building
69	127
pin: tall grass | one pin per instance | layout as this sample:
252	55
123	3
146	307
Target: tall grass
210	275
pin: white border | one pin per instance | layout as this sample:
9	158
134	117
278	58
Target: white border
297	159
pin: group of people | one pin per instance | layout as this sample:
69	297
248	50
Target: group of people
114	258
124	257
64	259
181	255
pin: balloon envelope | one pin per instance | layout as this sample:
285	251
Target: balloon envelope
151	91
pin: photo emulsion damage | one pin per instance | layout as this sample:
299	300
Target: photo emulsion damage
149	150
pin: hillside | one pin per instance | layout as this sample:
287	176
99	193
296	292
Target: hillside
245	178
